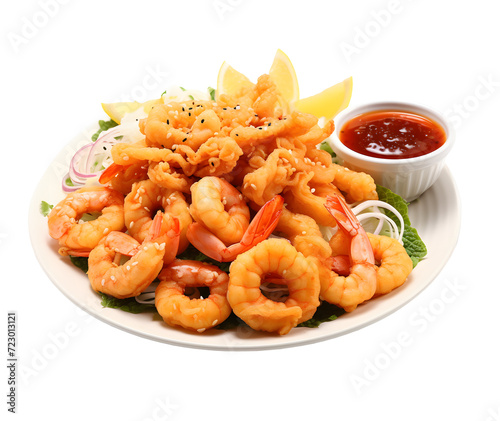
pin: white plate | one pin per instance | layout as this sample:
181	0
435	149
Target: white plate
436	215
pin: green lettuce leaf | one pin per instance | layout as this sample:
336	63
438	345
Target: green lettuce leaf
45	208
326	312
80	262
129	305
413	244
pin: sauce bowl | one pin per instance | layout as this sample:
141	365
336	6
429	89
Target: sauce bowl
408	177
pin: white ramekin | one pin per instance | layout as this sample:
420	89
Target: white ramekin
408	177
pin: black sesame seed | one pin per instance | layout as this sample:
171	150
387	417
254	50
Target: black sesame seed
213	165
268	124
189	114
168	121
183	109
202	120
185	139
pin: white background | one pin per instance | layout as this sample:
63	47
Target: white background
60	61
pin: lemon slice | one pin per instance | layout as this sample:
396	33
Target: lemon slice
283	75
230	81
329	102
116	110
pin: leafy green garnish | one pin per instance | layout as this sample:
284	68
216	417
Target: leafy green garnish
80	262
68	182
211	91
129	305
413	244
103	126
326	312
325	146
45	208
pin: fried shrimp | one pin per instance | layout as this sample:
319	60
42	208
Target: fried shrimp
308	198
358	186
260	228
142	203
361	283
393	263
122	177
134	276
197	314
220	207
277	259
164	175
79	239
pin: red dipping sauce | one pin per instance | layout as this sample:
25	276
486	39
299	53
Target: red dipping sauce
392	134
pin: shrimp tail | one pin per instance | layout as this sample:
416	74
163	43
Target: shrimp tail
361	249
165	229
264	222
112	171
342	214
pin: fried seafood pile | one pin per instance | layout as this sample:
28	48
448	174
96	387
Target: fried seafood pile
223	176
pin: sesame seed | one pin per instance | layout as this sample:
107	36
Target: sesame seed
131	225
112	278
135	263
201	330
128	267
106	230
215	322
102	282
253	186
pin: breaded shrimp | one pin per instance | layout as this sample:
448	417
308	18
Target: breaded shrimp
79	238
133	277
142	203
276	259
393	263
220	207
260	228
197	314
361	283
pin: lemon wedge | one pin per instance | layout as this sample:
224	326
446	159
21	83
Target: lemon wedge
230	81
329	102
116	110
283	75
